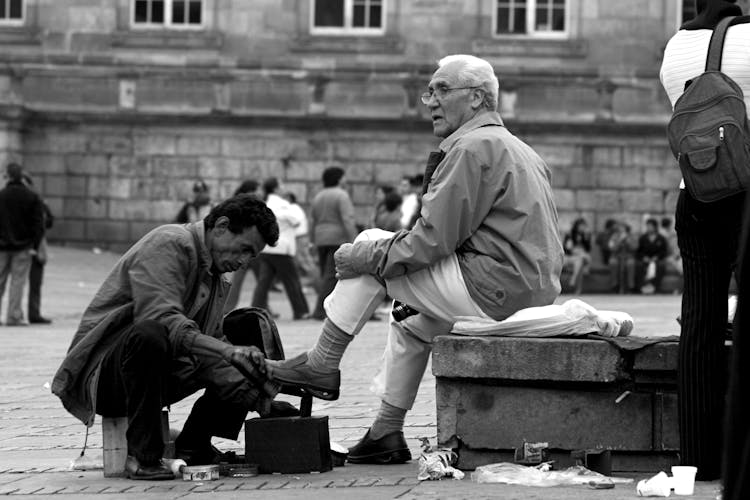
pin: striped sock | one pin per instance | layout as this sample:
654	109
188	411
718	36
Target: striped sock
330	348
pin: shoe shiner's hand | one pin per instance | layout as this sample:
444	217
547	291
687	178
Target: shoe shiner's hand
244	355
343	260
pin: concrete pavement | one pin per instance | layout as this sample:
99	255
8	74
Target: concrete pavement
38	439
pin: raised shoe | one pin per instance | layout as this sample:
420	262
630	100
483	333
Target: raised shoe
298	373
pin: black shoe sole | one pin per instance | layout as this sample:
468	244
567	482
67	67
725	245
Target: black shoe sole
300	389
384	458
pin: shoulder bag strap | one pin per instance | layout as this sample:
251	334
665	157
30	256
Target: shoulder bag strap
716	46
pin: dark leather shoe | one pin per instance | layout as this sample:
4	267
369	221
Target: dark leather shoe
40	320
153	472
390	449
297	373
208	456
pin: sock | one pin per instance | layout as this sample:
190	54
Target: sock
390	419
330	348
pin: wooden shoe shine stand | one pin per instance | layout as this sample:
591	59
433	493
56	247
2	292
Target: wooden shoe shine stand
115	443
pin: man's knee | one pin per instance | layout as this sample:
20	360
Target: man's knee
150	336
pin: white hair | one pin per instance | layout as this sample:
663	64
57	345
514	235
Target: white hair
475	72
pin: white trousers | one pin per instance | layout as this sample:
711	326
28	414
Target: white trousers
437	292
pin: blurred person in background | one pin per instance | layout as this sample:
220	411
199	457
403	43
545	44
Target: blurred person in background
622	246
197	208
21	233
577	246
652	250
38	261
333	223
278	261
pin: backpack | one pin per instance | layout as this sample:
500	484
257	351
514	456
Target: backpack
709	132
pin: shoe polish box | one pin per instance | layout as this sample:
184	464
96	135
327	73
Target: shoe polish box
288	444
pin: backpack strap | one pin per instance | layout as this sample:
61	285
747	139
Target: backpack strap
716	46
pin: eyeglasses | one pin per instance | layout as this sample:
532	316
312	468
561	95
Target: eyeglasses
440	92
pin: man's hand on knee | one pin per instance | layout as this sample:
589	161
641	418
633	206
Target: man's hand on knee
343	261
244	355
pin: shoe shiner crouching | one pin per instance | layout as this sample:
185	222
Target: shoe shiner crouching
486	244
153	335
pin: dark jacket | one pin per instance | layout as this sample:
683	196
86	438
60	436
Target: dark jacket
164	277
21	218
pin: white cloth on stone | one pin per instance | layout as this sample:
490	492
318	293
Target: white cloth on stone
572	318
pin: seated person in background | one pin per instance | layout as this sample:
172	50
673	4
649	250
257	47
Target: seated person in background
652	249
622	246
602	240
577	246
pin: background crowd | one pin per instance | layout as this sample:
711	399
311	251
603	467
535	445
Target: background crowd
303	259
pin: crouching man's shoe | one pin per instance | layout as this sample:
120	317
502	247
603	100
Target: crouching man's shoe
296	373
390	449
153	471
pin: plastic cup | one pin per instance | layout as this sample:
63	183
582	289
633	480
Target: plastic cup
683	479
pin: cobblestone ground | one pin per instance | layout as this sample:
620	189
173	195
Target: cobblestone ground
38	439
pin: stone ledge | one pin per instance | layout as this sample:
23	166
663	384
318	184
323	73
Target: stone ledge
527	359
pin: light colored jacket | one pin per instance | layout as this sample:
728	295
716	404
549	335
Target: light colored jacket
289	220
489	202
166	276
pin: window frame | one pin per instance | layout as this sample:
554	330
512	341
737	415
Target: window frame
8	21
531	33
348	29
168	24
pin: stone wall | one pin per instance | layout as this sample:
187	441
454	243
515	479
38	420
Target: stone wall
108	184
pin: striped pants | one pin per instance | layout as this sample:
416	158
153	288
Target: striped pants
708	237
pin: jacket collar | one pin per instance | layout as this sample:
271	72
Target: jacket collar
480	120
204	256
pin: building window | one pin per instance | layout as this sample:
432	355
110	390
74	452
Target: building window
348	17
531	17
11	12
180	14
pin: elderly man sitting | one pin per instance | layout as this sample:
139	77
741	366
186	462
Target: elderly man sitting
486	244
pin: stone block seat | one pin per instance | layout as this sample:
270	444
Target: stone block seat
495	393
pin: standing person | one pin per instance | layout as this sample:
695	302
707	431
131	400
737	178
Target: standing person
707	236
249	186
577	246
279	260
332	214
487	244
154	334
303	259
21	232
197	208
38	261
652	250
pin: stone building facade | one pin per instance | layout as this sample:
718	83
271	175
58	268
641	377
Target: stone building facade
117	106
